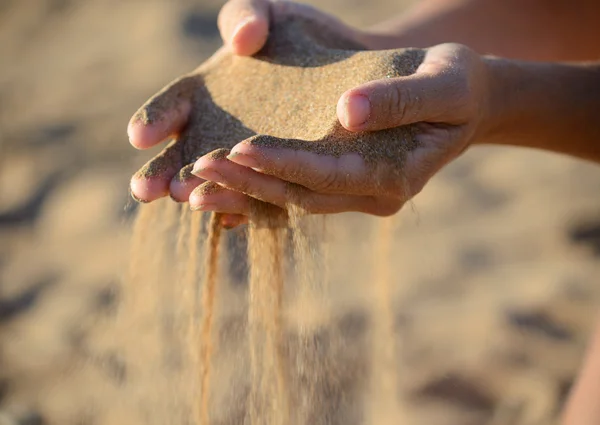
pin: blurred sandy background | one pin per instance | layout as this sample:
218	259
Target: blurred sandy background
497	263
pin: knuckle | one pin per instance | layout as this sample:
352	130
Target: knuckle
286	170
462	90
463	68
329	181
243	185
401	102
461	51
326	179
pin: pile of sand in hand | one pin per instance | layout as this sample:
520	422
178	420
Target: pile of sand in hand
272	357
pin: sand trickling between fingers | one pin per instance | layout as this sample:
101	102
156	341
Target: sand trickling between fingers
211	269
384	390
268	402
266	347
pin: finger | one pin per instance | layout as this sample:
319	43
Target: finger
183	183
153	179
210	196
244	25
319	172
163	116
236	207
229	221
347	38
216	168
437	92
242	180
437	146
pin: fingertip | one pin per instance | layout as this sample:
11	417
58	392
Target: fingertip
245	148
341	110
229	221
195	199
354	110
249	36
244	25
248	155
140	135
203	193
200	165
148	128
147	189
181	190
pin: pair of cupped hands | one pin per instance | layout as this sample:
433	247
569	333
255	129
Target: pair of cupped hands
446	98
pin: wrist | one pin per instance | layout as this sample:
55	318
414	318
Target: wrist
496	108
550	106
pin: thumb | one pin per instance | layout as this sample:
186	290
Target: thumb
437	92
244	25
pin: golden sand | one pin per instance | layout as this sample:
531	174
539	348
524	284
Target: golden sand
285	96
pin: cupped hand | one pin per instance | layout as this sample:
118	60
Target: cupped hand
448	99
244	26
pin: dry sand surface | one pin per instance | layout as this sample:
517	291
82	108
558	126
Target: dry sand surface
495	264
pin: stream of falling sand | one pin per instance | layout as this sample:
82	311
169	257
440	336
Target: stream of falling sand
148	311
293	369
382	406
268	403
211	275
190	298
313	362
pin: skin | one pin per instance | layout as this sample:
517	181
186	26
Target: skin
460	97
582	407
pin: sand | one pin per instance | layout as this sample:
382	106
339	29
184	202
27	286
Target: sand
211	269
284	96
494	285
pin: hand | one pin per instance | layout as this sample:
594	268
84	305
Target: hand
244	24
442	96
448	97
172	112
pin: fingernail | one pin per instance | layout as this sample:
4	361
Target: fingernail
210	175
203	207
357	111
229	222
206	173
243	159
196	168
241	25
135	198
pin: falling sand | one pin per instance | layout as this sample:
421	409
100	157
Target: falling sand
211	268
283	363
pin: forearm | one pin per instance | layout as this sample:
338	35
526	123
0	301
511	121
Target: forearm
521	29
548	106
582	408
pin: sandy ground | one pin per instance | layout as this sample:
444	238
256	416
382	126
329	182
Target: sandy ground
497	262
